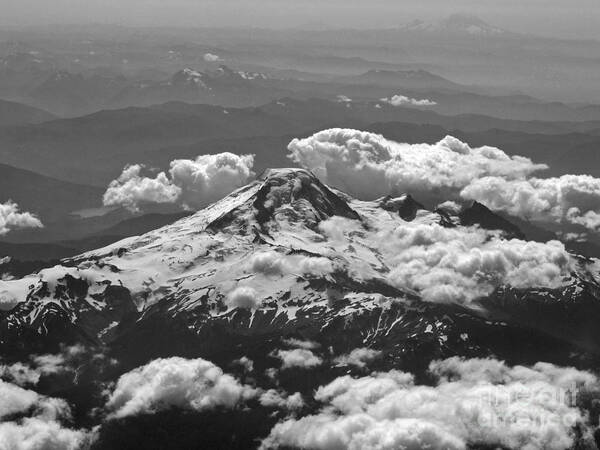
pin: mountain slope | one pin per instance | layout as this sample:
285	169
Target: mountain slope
106	141
282	256
47	197
12	113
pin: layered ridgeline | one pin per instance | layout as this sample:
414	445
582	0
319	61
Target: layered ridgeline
286	277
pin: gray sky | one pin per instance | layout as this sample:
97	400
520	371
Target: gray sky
561	18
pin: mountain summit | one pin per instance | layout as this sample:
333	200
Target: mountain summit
457	24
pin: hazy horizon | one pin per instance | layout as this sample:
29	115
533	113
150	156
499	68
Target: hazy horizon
543	17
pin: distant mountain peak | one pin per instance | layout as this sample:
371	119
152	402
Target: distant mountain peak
457	23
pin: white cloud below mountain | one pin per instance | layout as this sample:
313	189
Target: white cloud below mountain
512	407
176	382
458	264
463	263
39	423
298	358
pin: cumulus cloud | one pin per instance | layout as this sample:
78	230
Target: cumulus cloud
35	433
210	177
132	189
336	228
244	297
176	382
359	357
298	358
450	207
11	218
275	399
402	100
192	183
39	423
246	363
473	402
299	343
570	198
20	373
459	264
211	57
272	263
464	263
368	166
38	366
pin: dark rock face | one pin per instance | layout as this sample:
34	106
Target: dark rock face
405	206
41	326
478	214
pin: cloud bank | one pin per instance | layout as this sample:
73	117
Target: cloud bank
191	183
473	402
11	218
459	264
368	166
570	198
402	100
465	263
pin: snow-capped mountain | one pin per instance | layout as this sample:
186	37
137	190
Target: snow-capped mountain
286	256
219	86
457	24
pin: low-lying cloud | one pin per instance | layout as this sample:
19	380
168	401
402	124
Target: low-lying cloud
38	366
369	166
473	402
191	183
175	382
38	421
459	264
359	357
402	100
211	57
465	263
244	297
279	400
11	218
272	263
298	358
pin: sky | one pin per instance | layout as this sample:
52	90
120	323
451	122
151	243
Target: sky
574	19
